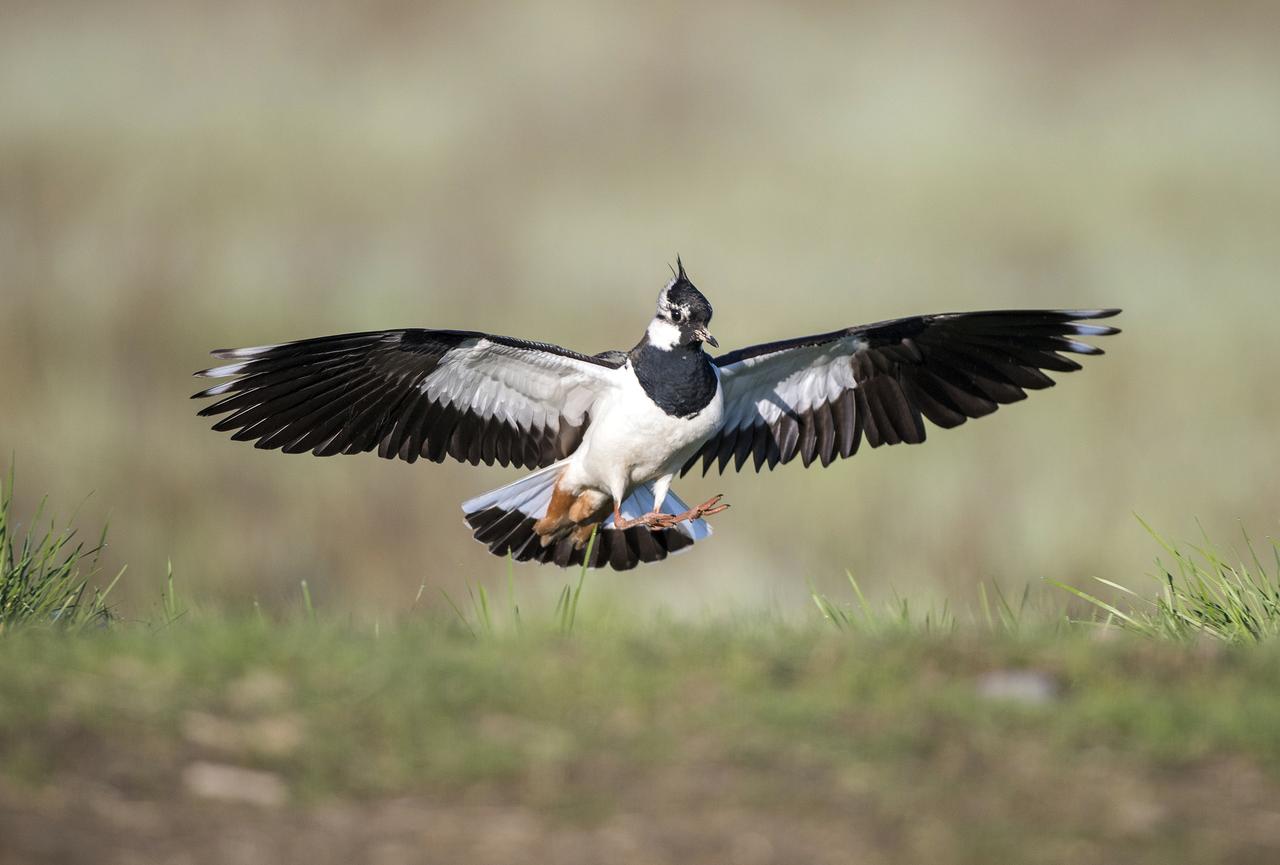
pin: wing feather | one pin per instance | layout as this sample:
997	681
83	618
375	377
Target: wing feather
410	394
818	397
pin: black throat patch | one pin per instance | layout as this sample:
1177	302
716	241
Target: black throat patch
681	381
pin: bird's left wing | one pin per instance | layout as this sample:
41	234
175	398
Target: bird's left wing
409	394
818	397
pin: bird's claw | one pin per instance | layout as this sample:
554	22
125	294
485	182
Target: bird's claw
651	521
655	521
710	507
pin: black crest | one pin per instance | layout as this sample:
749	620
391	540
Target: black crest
685	294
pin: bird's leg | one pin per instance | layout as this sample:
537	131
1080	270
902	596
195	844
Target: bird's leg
706	509
649	520
655	520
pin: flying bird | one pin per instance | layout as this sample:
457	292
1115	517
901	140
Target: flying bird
608	433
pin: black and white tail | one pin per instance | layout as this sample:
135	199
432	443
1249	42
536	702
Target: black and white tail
503	520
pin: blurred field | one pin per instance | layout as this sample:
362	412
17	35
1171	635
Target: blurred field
176	177
238	742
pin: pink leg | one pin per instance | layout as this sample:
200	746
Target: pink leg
655	520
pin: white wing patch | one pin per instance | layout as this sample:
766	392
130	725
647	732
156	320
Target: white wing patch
819	374
411	394
527	389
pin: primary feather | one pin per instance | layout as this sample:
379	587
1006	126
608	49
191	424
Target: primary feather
818	397
408	394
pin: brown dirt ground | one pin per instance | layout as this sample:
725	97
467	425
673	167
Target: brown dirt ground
1223	811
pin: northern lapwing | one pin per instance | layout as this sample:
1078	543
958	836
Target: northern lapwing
607	433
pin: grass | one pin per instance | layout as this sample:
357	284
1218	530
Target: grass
804	725
46	573
481	620
857	725
1206	593
996	613
47	577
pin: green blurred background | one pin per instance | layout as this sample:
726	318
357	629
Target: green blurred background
176	177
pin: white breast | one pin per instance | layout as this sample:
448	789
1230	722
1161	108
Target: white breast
632	441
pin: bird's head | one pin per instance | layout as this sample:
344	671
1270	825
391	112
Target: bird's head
683	315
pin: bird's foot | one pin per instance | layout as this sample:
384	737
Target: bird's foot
708	508
651	520
655	520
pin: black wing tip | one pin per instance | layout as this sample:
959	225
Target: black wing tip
1094	315
245	360
275	349
213	372
1081	314
252	351
210	392
1106	312
1035	316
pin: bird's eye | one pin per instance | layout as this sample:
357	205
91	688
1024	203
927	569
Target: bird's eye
676	315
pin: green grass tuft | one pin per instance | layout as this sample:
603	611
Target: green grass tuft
45	574
1203	593
997	614
482	619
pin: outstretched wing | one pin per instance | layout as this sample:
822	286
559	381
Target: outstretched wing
818	397
411	393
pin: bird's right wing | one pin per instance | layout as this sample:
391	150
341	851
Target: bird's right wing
409	394
818	397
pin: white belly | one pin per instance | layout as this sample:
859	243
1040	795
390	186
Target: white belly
631	441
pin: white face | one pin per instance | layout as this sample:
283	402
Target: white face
681	320
663	334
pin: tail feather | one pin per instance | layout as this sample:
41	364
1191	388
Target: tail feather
503	520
